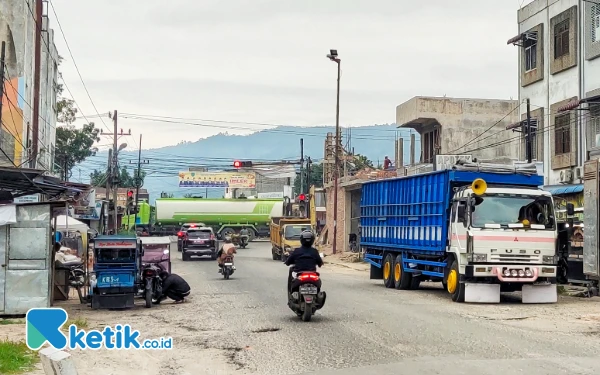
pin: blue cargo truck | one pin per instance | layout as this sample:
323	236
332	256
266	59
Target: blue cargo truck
480	233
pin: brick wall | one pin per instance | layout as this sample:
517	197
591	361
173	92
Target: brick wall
341	222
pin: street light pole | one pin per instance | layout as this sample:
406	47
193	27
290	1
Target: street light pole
333	56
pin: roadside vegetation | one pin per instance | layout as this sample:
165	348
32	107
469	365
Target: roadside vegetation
15	357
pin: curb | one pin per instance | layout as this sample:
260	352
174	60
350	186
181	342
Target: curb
57	362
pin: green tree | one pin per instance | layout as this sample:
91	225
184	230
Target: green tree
315	178
124	178
74	146
361	162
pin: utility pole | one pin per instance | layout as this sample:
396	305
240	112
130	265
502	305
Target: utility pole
108	179
301	166
2	69
138	183
528	140
115	170
35	131
333	56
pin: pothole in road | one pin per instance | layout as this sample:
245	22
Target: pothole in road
265	330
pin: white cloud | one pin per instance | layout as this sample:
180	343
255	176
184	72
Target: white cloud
264	61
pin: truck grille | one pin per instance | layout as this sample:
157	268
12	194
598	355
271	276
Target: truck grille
515	258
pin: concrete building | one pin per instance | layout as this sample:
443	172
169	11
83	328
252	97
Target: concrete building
17	29
559	72
475	127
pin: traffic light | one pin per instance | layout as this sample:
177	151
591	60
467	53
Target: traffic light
242	164
129	200
302	198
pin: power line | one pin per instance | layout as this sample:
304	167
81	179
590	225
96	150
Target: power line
75	63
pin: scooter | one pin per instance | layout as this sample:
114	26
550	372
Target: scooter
227	269
305	296
152	284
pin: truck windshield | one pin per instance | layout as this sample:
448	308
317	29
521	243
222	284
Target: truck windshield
512	209
292	232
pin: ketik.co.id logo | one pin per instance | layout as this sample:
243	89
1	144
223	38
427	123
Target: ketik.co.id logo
44	326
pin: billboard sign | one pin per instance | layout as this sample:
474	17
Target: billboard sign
231	180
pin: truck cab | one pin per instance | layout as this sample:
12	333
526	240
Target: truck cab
285	235
505	235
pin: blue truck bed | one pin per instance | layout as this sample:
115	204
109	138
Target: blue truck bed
411	213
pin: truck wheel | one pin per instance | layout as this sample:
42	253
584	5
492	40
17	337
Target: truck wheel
227	232
455	287
251	235
402	280
415	283
388	266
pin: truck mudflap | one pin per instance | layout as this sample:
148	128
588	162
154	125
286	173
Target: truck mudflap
482	293
542	293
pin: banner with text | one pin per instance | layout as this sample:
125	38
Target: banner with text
243	180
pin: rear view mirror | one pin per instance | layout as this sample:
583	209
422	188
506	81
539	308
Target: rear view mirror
570	209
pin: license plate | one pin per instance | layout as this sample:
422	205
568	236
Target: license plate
229	264
199	241
304	289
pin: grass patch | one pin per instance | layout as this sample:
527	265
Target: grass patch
80	323
561	289
4	322
15	357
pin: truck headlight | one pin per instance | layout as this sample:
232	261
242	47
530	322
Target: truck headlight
549	259
474	257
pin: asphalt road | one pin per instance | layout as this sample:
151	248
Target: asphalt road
365	328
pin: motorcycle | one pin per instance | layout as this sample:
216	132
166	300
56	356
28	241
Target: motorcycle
240	240
152	284
227	268
305	296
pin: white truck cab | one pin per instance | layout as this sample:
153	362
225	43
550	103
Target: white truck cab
504	239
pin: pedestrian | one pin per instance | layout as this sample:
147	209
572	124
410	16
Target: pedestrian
387	163
174	287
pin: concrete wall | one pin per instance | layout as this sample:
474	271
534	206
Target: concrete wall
17	28
462	120
572	77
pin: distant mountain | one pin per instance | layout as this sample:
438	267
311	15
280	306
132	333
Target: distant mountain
217	152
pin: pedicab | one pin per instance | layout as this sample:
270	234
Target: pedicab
156	259
116	278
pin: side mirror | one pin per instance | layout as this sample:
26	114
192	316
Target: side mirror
570	209
540	218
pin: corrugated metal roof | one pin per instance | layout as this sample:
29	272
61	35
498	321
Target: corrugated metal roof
564	189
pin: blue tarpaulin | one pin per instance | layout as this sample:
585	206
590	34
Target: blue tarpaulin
564	189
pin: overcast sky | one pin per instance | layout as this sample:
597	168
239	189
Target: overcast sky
264	60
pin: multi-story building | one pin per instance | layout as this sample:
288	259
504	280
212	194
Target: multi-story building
559	72
17	29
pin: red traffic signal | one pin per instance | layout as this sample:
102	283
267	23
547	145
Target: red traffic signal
130	194
302	197
242	164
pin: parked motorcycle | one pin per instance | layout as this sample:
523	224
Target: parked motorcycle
306	297
240	240
228	268
152	283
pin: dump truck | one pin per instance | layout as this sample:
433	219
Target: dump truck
479	231
285	235
225	216
286	230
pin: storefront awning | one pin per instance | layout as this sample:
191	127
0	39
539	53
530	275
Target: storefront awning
564	189
23	181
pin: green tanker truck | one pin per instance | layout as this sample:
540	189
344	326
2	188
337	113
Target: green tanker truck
225	216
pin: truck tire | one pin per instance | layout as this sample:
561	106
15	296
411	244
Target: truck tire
251	235
455	287
402	280
388	267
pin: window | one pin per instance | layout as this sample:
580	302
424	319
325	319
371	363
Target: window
561	39
530	46
595	13
595	123
562	134
430	142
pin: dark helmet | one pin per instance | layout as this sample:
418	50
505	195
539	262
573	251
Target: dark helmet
307	238
163	275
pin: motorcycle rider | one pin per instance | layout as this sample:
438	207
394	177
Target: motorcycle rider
174	287
304	258
228	249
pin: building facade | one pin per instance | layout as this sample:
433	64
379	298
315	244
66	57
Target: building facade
559	72
453	126
17	29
